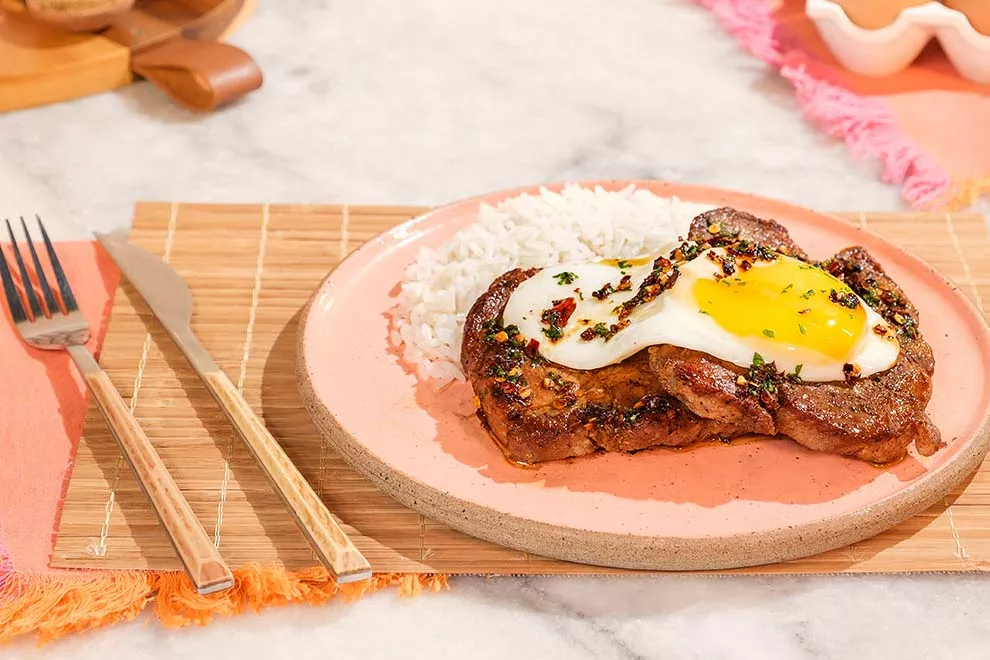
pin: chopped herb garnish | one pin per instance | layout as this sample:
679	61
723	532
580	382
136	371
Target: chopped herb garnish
768	332
686	251
761	381
807	294
565	278
871	297
623	264
788	288
553	333
493	330
802	329
909	328
796	376
604	331
705	312
845	298
510	348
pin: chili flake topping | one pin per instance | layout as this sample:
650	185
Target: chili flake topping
603	330
560	313
662	277
604	292
509	348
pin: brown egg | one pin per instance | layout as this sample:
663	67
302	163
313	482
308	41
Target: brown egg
977	11
875	14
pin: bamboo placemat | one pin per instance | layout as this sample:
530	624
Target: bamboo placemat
251	269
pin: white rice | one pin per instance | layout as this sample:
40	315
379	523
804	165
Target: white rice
579	224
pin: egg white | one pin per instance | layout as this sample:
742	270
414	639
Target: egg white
672	318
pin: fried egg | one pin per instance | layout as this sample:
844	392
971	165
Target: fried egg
789	312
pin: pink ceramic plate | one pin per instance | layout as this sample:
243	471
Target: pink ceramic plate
712	507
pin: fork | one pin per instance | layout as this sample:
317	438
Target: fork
46	324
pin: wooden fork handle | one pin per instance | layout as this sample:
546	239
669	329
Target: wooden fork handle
195	549
328	539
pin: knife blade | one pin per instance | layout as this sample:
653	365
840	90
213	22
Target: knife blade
170	300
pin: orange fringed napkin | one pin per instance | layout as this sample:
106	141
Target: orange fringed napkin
42	409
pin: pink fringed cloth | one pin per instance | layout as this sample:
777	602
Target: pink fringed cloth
927	125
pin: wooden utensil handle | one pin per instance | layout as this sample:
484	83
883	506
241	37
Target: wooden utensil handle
196	551
330	542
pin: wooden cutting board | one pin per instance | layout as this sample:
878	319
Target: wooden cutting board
40	64
247	314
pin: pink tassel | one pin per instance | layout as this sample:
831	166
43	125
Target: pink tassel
866	124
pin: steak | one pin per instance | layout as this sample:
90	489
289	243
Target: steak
538	411
668	396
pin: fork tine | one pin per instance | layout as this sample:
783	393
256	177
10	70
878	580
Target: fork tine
50	301
32	297
13	297
63	282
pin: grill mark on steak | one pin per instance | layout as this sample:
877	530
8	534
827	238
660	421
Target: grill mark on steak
669	396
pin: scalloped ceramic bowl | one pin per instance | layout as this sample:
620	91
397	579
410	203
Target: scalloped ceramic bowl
891	48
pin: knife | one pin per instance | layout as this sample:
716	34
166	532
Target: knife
169	298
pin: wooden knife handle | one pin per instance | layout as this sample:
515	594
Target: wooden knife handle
195	549
328	539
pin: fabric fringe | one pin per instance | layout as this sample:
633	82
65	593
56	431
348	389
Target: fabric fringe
964	194
867	125
53	606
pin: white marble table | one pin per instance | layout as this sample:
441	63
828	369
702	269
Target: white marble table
427	101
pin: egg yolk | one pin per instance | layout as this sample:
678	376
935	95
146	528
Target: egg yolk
787	302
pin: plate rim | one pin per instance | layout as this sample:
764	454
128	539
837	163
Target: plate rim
633	551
